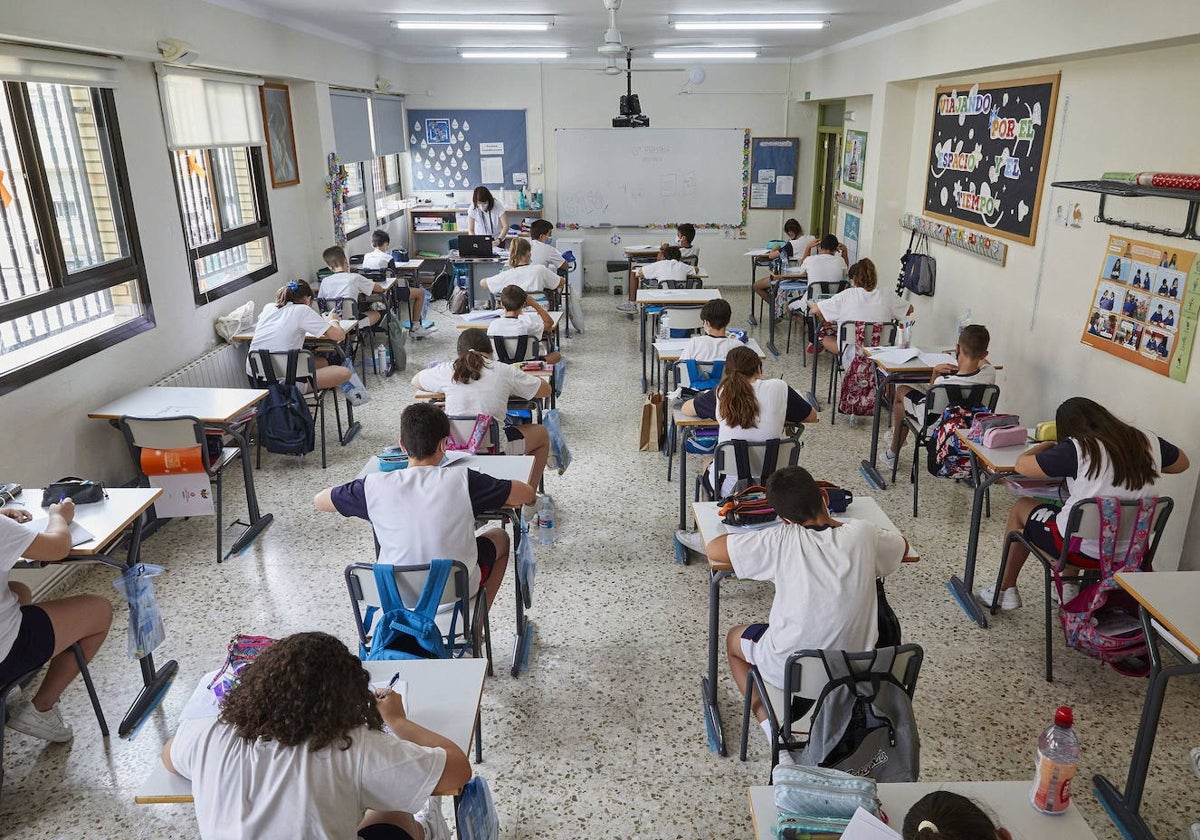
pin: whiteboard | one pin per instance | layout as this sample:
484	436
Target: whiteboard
650	176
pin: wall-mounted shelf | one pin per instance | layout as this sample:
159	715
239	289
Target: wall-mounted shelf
1127	190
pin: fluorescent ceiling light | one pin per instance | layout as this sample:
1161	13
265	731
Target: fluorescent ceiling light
743	22
476	23
523	54
705	54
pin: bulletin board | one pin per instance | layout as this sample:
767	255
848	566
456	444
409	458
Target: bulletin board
455	149
1144	307
773	165
987	155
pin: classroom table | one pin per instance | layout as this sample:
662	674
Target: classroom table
682	426
547	373
666	297
757	260
107	521
479	319
710	526
505	468
638	255
1167	604
796	282
221	408
1008	802
474	266
443	696
668	351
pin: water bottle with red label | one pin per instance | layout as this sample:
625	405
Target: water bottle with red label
1057	758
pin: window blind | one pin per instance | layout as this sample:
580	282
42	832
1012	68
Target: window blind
387	113
203	110
20	63
351	125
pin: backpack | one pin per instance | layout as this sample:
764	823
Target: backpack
949	457
404	633
440	288
459	305
285	425
918	270
858	383
864	723
393	329
1102	620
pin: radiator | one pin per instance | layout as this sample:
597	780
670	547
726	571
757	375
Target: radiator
222	367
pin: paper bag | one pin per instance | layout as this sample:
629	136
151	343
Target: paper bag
650	434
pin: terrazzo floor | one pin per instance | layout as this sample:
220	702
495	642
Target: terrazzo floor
603	735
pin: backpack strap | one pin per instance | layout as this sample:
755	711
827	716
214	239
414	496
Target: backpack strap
741	457
293	363
1140	543
770	460
267	366
385	583
435	584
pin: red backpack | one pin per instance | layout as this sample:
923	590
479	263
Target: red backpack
948	457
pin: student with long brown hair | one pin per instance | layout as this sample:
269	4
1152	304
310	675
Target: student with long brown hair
864	301
475	383
1098	455
746	407
282	326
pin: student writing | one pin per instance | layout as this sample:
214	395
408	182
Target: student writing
713	343
380	259
532	278
794	248
864	302
517	322
344	284
282	326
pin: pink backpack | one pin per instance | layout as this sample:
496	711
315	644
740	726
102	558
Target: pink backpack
858	383
1102	620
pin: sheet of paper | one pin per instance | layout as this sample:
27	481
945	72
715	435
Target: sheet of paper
453	457
491	170
401	688
491	148
783	185
766	176
481	314
184	494
79	534
520	179
758	194
933	359
866	826
896	355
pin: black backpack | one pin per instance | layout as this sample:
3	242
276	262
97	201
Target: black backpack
285	425
918	270
441	286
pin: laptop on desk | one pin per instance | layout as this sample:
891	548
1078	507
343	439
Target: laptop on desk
475	246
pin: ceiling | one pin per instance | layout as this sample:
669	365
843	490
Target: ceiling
580	24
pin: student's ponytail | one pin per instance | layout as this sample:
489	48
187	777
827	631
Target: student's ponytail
295	291
737	404
862	273
474	352
519	251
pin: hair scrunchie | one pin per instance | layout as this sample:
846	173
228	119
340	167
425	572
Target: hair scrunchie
924	824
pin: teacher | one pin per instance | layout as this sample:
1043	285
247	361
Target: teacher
487	216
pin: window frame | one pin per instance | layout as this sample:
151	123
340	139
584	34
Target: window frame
359	200
230	237
387	189
64	285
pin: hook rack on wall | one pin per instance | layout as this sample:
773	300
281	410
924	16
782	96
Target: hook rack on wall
952	236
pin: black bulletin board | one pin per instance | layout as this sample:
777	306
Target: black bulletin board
773	165
987	155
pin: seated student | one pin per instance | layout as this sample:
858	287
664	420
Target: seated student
1162	288
746	407
347	285
1174	288
33	634
945	815
1098	455
533	279
972	368
1169	319
542	252
667	268
824	572
863	301
283	326
793	249
516	322
1157	317
299	750
685	236
475	383
380	259
713	344
426	511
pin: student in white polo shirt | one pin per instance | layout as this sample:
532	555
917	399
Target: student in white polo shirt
667	268
426	512
516	322
347	285
282	326
543	253
535	279
380	259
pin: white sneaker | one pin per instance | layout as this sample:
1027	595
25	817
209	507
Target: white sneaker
628	306
48	726
420	332
889	458
1194	755
692	541
1010	599
431	820
1069	591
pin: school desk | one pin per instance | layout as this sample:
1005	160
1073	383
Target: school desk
668	350
514	403
710	526
107	521
1007	801
222	408
443	696
478	270
681	428
666	297
479	319
1167	602
507	468
758	259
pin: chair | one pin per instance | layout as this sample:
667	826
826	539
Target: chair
463	425
818	290
937	399
518	348
804	680
352	309
179	433
20	682
305	374
462	616
753	461
1084	523
683	318
846	336
693	260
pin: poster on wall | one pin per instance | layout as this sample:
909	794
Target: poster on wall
1144	308
851	224
854	154
987	155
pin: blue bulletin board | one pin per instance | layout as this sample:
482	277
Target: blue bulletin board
455	149
773	165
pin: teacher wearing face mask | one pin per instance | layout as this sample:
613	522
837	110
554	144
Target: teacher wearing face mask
487	216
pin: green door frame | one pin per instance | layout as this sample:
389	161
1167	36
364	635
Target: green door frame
821	217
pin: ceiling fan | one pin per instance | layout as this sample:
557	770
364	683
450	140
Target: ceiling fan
613	48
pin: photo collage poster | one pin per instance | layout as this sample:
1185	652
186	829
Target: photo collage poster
1144	308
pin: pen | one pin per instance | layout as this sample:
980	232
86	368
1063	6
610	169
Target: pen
395	679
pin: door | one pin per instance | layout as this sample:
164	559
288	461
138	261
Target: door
828	158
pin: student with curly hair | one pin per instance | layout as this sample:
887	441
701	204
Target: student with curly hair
299	751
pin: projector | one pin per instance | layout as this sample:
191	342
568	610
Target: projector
631	115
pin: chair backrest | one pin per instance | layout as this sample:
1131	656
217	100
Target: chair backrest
356	259
182	432
515	348
306	366
1084	523
804	672
941	397
693	260
684	317
410	581
754	461
348	306
825	289
377	275
462	425
686	283
846	332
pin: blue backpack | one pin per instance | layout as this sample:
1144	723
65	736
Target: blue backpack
408	633
285	425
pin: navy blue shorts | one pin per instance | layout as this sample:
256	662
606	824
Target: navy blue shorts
485	549
383	831
33	646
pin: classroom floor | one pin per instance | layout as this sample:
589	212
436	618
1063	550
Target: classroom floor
603	735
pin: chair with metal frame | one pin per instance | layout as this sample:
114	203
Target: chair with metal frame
846	335
360	342
817	291
753	461
462	427
304	373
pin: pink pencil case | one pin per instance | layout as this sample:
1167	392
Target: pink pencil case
1001	436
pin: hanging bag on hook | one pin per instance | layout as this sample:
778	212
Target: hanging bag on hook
918	272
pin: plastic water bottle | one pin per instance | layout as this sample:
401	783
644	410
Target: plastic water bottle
664	327
964	319
1057	758
545	521
383	358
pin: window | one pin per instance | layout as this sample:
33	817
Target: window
356	201
71	275
225	218
388	192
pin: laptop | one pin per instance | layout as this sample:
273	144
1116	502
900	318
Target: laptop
475	246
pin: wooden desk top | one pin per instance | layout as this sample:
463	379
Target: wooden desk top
913	366
430	395
710	526
502	467
1008	800
669	350
1171	598
668	296
1003	459
104	520
209	405
681	419
443	696
482	323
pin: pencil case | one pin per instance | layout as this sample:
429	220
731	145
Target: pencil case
1047	430
984	420
1001	436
